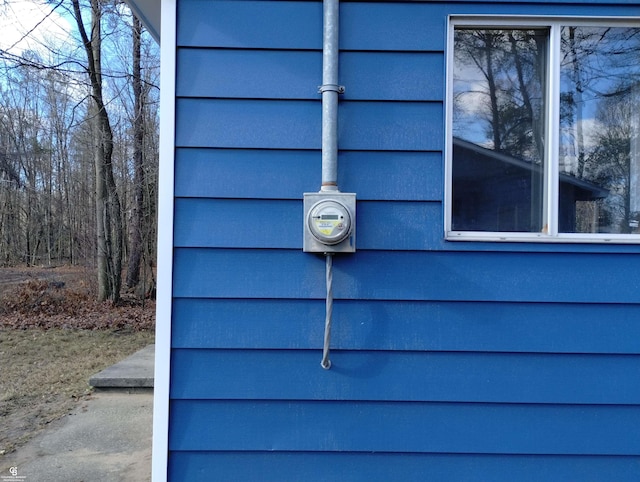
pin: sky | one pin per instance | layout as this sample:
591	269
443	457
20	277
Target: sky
31	25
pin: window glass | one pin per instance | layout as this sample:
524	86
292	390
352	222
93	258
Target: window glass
599	158
545	130
498	143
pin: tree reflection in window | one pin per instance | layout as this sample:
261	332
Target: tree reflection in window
498	105
600	76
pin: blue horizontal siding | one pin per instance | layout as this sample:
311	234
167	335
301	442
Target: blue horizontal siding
247	173
433	377
298	25
278	224
542	277
358	467
393	176
420	26
480	361
404	427
239	24
259	174
390	26
399	225
248	73
277	124
296	74
398	126
238	223
388	325
392	76
248	124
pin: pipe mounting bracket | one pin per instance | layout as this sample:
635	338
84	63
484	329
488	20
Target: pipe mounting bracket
331	88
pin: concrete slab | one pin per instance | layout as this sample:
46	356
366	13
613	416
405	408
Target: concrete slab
107	438
135	371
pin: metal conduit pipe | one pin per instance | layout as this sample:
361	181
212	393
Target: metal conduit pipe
330	90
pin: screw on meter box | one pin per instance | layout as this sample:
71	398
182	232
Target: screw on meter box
330	222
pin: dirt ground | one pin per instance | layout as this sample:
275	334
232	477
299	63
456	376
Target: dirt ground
53	337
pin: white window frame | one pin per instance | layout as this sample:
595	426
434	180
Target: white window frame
551	203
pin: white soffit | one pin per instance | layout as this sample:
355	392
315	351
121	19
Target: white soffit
148	11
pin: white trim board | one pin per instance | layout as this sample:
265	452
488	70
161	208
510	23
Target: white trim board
164	294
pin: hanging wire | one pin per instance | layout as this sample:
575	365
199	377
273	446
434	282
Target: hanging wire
326	363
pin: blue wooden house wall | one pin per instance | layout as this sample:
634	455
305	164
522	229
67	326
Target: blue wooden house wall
451	360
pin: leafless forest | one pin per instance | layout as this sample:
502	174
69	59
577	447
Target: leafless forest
79	146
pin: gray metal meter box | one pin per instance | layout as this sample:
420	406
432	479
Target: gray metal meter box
329	222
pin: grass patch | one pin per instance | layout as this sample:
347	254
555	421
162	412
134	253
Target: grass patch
45	372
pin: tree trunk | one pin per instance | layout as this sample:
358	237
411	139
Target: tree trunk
108	215
102	216
135	244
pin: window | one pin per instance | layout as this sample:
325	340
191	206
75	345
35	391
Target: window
543	130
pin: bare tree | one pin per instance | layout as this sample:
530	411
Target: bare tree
109	230
135	245
78	148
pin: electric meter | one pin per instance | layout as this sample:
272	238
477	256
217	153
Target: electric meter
329	222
